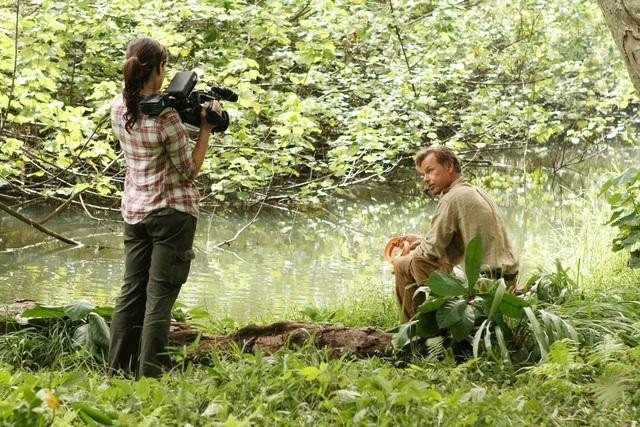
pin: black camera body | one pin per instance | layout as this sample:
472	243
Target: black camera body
181	96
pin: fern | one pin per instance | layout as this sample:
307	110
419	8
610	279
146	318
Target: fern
614	382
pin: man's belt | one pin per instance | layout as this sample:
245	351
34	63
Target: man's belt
496	273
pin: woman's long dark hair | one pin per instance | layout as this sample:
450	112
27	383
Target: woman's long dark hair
143	56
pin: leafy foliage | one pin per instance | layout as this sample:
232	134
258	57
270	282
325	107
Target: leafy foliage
483	313
329	96
594	383
552	287
596	386
79	325
623	194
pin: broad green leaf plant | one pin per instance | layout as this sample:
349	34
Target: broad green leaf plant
623	195
483	315
91	331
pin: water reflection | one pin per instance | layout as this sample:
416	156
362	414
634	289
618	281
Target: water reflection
287	260
280	262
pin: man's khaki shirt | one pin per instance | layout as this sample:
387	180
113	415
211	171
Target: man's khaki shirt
464	212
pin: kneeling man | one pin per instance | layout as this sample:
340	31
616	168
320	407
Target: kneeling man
463	212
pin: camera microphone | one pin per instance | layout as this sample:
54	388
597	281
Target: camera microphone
224	93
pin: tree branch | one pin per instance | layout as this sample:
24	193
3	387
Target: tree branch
34	224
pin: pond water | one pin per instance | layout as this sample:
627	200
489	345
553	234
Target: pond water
287	260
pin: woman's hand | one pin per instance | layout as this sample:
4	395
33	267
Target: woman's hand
212	106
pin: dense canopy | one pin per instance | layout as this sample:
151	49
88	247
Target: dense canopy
332	93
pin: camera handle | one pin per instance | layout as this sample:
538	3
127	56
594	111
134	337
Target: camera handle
219	121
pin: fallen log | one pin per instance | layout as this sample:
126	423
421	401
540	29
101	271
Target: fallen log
267	339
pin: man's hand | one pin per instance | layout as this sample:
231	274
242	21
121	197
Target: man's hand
413	239
405	243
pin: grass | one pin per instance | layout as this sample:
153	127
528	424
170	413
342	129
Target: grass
594	383
573	387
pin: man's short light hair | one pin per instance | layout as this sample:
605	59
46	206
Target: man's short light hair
443	155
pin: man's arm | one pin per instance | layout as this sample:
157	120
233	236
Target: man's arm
440	234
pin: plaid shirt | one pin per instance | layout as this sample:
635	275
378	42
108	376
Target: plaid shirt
160	168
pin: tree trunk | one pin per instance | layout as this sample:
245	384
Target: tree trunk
623	20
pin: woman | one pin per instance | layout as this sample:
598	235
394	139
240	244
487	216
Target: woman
160	209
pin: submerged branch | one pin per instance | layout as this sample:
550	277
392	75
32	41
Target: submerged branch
39	227
255	217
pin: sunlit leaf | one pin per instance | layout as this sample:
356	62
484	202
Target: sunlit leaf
90	414
497	298
44	312
309	373
472	261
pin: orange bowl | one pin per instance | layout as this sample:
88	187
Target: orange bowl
396	243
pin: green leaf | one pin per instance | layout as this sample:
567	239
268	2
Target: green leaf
309	373
472	261
426	325
451	313
81	336
403	336
78	310
504	352
538	333
497	298
631	239
478	336
629	175
558	327
432	305
43	312
106	312
89	413
443	284
98	336
487	343
463	328
512	305
71	379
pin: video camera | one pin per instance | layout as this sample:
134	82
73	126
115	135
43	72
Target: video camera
181	96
